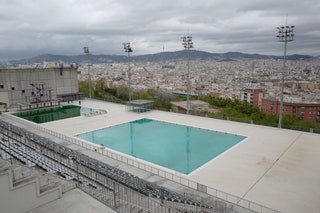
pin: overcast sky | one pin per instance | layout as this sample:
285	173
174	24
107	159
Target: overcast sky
32	27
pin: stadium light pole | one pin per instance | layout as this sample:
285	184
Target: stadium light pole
285	35
128	49
87	52
188	44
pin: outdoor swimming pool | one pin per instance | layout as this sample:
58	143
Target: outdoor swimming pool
57	113
176	147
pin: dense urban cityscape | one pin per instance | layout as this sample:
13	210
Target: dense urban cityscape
227	78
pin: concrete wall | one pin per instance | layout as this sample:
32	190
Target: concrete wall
16	83
4	97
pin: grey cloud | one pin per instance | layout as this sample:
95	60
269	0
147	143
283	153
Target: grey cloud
63	27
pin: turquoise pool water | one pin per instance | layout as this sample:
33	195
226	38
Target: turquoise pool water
177	147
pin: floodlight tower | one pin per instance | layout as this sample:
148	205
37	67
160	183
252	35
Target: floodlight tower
285	35
128	49
87	52
188	44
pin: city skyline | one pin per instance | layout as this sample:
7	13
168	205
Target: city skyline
32	27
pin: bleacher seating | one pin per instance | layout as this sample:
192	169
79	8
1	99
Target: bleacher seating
31	157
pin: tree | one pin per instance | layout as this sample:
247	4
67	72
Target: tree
122	92
83	87
233	109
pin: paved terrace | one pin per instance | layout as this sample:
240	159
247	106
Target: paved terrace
274	167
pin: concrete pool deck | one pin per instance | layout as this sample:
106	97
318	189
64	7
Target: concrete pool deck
273	167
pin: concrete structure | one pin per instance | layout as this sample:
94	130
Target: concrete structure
139	105
306	111
273	167
74	201
28	190
253	96
25	186
23	86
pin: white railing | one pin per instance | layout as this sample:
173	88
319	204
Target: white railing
176	177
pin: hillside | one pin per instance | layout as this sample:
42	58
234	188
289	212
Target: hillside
163	56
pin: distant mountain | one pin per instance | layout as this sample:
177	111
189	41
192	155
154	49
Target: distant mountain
163	56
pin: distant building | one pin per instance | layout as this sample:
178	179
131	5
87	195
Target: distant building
306	111
215	94
181	106
37	87
253	96
184	93
300	85
168	67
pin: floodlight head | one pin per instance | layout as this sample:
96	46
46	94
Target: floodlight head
187	42
127	47
285	33
86	50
